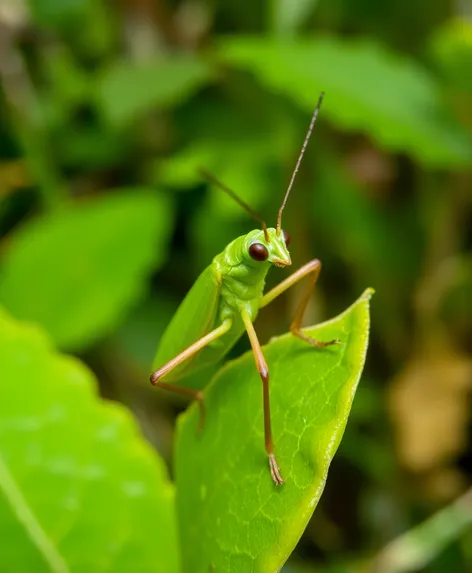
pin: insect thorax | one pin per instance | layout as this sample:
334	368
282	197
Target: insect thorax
242	279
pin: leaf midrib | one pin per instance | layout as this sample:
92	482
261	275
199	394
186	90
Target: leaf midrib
30	522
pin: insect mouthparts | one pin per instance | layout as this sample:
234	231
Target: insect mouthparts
282	263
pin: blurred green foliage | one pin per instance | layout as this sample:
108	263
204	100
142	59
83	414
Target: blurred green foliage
86	269
106	111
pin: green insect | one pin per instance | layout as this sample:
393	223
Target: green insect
224	302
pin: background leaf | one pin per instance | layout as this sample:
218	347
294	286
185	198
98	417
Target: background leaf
127	90
361	79
85	264
231	515
79	488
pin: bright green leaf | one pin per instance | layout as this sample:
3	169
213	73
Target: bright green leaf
80	490
231	514
77	270
128	90
368	89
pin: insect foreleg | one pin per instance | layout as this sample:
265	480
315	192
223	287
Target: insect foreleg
264	373
156	376
311	269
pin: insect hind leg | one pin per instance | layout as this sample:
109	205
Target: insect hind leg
158	374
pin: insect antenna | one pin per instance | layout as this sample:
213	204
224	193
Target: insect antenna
300	157
238	200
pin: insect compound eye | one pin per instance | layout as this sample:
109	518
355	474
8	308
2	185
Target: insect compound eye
258	252
286	238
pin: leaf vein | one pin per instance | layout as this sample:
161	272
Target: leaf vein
31	524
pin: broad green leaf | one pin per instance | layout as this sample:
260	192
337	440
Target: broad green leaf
80	490
369	89
231	515
77	270
128	90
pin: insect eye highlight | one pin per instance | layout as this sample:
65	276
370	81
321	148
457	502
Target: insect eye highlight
258	252
286	238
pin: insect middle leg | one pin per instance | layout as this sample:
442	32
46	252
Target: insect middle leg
311	269
264	373
156	376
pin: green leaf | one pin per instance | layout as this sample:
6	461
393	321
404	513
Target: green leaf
80	490
368	89
128	90
231	515
77	270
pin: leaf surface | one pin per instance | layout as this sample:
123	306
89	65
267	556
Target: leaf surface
80	490
128	90
76	271
231	515
368	88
